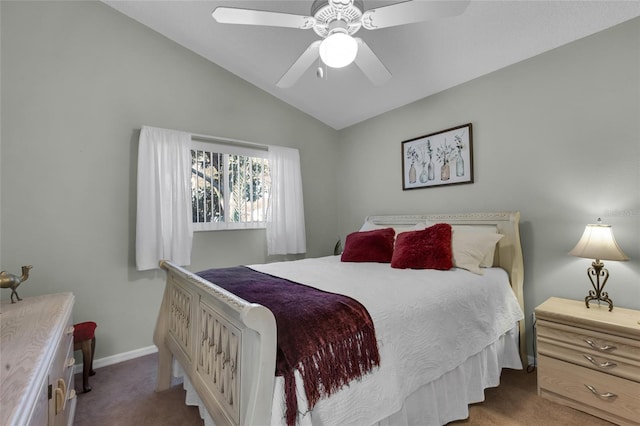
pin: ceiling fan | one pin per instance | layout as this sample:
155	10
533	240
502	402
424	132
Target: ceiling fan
336	21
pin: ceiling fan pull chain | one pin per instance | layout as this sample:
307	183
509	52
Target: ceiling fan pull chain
320	71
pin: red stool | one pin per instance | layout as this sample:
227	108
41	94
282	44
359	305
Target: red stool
84	339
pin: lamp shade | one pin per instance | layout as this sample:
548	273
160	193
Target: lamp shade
597	242
338	50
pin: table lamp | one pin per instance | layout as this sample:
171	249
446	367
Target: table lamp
597	242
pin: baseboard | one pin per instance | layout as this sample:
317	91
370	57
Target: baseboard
114	359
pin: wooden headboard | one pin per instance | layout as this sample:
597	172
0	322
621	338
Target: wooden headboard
508	250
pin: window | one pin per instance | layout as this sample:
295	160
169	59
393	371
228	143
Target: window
230	186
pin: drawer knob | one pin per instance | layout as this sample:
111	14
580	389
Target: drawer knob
604	348
60	392
59	400
607	395
604	364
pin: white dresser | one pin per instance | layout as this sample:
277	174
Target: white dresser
36	351
589	359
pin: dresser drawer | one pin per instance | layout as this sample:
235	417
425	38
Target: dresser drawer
61	373
61	376
601	394
609	364
567	345
584	339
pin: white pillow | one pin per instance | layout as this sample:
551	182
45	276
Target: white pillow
487	261
470	248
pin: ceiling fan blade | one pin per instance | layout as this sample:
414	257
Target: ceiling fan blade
230	15
298	68
370	65
409	12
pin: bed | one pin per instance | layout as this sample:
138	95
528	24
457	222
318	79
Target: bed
430	367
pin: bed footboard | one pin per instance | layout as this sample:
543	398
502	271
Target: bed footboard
226	346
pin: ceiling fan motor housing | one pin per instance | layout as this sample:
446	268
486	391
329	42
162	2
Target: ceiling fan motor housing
331	14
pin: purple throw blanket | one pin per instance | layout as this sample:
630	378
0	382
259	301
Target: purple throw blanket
328	337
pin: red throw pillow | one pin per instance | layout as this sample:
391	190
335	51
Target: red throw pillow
426	249
369	246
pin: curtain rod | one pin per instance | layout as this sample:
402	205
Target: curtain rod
238	142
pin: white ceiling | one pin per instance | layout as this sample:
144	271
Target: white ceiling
424	58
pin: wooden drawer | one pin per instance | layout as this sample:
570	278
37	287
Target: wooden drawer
68	365
584	339
61	377
603	395
570	344
67	376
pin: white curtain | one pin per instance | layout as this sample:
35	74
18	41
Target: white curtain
163	222
285	215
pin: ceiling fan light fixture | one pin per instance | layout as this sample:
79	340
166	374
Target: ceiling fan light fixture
338	50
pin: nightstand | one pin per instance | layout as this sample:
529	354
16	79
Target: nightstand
589	359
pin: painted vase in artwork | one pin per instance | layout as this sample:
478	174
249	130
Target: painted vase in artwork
423	174
445	172
459	166
430	171
412	174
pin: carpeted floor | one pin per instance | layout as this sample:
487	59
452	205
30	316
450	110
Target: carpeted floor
123	395
516	403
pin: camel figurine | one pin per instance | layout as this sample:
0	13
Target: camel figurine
11	281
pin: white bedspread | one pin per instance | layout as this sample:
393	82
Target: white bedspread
427	323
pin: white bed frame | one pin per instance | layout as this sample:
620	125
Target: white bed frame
227	346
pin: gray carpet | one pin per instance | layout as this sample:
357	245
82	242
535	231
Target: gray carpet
123	395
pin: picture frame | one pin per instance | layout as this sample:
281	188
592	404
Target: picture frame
440	158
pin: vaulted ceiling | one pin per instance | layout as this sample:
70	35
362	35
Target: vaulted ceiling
424	58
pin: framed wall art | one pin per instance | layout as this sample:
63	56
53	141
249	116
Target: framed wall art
441	158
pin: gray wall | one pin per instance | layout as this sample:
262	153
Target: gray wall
556	137
79	79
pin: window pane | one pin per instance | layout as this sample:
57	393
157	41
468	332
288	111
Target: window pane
244	198
218	189
197	189
206	207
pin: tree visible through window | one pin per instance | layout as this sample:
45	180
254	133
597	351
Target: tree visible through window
228	189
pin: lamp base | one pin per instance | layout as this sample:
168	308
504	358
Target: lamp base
598	270
603	297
